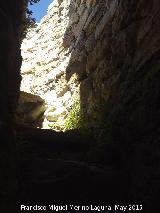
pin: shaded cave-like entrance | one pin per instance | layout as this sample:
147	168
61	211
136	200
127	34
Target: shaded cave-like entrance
116	64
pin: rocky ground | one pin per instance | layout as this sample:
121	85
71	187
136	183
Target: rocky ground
55	168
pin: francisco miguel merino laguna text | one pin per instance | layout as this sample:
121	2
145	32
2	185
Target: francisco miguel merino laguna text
98	208
57	208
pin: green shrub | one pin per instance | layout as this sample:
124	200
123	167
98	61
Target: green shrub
73	119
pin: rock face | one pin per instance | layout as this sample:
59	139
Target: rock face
113	47
44	65
116	55
99	47
10	62
110	50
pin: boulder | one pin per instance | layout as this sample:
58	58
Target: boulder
30	108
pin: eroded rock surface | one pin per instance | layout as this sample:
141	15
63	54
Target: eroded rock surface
44	66
113	48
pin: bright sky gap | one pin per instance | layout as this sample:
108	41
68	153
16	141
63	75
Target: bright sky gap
40	9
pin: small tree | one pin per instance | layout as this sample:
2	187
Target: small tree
29	21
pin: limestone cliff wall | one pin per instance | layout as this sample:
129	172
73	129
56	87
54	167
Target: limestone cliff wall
110	46
115	50
44	65
113	47
10	61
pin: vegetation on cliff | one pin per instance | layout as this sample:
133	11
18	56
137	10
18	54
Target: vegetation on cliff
28	21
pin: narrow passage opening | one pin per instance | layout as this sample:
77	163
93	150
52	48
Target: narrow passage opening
47	99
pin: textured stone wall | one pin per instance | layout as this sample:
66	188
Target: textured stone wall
10	62
44	66
115	50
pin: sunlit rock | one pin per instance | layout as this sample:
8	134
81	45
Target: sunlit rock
45	61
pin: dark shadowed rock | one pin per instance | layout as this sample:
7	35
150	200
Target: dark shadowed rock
30	109
10	62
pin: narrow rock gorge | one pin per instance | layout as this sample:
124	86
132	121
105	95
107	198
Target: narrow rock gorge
90	83
45	60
